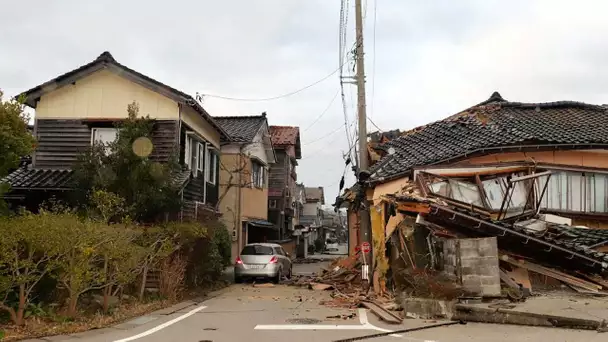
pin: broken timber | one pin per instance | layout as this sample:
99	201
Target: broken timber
381	312
566	278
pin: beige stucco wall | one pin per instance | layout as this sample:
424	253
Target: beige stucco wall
229	205
104	95
254	201
194	120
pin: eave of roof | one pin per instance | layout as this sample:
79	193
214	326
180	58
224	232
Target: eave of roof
106	60
255	123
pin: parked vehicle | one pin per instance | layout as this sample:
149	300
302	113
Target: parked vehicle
331	245
262	260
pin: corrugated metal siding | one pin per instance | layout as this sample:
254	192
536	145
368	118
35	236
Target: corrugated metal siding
60	142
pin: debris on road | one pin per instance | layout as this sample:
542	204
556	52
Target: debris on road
311	260
263	285
399	331
381	312
343	316
320	287
343	278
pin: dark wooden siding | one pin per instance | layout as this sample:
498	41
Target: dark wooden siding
213	189
60	142
278	176
195	188
165	140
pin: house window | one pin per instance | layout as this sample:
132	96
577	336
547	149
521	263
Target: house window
258	174
272	204
104	136
575	191
211	171
200	158
194	153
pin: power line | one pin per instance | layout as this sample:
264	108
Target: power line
274	97
325	136
371	111
373	123
324	111
344	4
313	154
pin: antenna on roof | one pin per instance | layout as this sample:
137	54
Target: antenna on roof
199	97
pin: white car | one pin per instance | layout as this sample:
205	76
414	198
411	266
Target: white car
331	245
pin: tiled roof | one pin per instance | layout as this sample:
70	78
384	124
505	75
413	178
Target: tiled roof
582	237
39	179
285	135
104	60
241	128
26	178
315	194
494	123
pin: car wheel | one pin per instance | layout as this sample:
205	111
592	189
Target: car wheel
290	273
277	278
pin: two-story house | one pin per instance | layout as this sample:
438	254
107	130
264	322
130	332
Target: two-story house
244	167
283	177
312	213
81	106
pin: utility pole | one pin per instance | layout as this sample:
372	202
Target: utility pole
365	233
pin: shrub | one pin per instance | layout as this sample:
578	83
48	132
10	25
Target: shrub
31	247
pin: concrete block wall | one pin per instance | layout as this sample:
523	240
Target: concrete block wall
475	264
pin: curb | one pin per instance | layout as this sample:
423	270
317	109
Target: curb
472	313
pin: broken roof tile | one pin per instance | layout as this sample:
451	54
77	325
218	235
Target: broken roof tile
494	123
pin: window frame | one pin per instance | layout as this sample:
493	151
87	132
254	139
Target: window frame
211	162
94	132
258	179
192	153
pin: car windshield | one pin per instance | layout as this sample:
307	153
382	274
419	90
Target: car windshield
257	250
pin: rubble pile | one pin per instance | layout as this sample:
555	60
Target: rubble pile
310	260
343	278
428	283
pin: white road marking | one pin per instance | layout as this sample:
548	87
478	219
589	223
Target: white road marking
162	326
365	325
311	327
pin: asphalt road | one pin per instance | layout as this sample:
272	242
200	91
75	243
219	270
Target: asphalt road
248	313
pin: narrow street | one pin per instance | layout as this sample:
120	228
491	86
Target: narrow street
244	312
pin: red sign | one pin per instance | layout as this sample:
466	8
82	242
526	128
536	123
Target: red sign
365	247
357	248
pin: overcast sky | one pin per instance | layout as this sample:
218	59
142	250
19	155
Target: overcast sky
425	60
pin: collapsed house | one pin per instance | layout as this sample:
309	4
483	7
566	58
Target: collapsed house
528	180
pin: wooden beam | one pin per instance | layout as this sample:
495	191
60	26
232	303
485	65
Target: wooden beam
414	207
